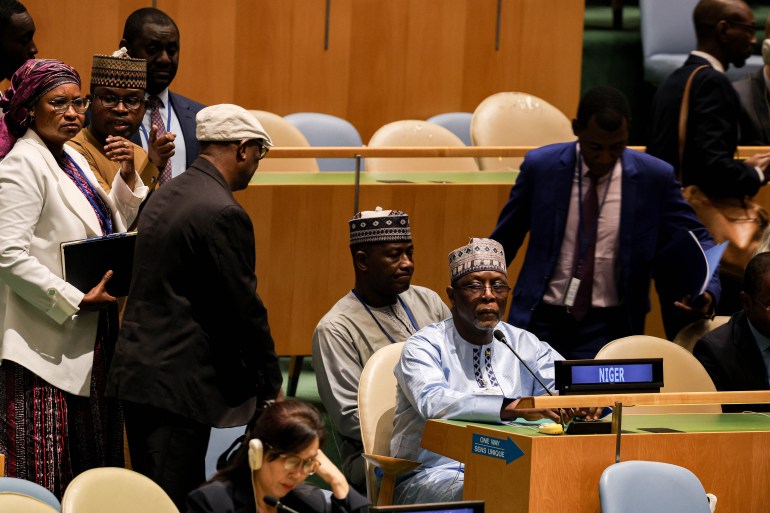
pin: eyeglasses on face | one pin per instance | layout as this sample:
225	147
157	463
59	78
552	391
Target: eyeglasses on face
474	290
110	101
263	151
62	105
748	27
308	466
767	308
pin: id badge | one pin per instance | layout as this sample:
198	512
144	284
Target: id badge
572	289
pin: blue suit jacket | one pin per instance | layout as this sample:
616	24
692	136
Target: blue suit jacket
185	110
652	213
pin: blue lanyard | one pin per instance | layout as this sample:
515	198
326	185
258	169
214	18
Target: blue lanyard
382	328
168	123
105	217
583	244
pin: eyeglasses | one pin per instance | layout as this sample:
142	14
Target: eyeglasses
750	28
308	466
474	290
110	101
263	151
62	105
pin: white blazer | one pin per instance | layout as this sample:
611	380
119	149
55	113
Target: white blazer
41	207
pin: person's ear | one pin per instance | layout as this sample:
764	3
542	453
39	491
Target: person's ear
746	301
575	127
450	292
361	260
721	30
243	147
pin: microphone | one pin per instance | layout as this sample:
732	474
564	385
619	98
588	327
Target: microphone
272	501
500	336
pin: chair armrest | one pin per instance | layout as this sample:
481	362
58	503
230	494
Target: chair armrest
391	466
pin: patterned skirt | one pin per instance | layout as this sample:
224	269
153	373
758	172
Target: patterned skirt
49	436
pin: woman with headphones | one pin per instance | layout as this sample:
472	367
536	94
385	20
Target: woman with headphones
267	473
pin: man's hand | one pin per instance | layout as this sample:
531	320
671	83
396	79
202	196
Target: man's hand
98	298
703	305
160	149
121	150
760	160
560	415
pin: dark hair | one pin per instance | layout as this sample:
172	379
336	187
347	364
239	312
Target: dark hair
607	104
8	8
138	19
287	426
757	268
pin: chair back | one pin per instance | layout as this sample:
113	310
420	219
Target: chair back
517	119
13	502
24	487
416	133
459	123
376	406
692	333
682	372
327	130
115	490
284	134
645	486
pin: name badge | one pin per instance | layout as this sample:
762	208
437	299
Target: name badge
572	289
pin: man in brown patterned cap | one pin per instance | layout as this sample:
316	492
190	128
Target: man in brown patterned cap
117	109
382	308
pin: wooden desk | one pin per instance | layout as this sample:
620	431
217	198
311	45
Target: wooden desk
730	454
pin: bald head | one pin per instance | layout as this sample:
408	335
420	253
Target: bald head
725	29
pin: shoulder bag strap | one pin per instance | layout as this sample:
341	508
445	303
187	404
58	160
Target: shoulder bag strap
683	112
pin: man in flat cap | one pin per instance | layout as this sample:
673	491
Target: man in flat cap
382	308
460	369
117	108
195	349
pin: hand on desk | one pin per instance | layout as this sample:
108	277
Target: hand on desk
510	412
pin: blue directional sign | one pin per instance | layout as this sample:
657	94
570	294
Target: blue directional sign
503	449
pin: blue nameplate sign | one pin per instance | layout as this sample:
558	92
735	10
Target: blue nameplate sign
500	448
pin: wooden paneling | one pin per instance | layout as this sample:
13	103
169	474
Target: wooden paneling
386	60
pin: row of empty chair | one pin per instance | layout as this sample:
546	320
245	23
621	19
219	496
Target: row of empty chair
99	490
503	119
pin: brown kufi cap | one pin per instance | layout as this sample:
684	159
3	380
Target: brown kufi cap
477	255
119	70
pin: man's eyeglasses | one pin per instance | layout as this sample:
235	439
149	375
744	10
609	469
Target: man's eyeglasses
749	28
263	151
308	466
62	105
110	101
474	290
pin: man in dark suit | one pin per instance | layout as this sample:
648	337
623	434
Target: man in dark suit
195	349
586	276
737	354
152	35
754	95
725	34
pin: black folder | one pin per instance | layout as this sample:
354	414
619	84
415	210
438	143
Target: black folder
84	262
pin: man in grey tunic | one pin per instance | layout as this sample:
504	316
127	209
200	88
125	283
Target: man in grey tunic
381	309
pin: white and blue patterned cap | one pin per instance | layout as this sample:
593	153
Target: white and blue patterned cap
378	226
477	255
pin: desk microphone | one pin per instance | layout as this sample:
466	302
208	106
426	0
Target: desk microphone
272	501
500	336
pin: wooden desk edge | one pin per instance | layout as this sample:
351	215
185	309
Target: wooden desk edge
662	399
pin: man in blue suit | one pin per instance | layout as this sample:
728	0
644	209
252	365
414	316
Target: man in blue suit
598	215
152	35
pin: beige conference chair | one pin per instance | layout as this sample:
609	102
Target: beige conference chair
692	333
682	372
115	490
376	405
284	134
516	119
417	133
19	503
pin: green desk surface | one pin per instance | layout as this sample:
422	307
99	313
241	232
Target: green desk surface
368	177
687	422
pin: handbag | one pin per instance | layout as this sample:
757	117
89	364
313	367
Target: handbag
740	221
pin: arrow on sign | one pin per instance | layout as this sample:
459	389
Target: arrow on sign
503	449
